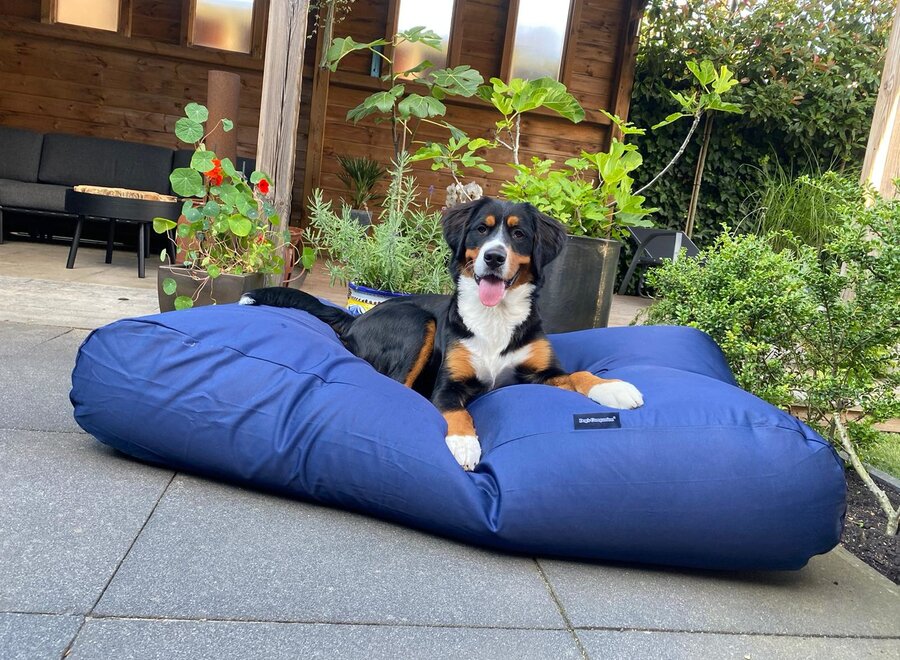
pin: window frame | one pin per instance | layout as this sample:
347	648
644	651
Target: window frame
453	49
50	8
509	44
258	22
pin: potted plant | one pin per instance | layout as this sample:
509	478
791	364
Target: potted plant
403	253
361	175
231	233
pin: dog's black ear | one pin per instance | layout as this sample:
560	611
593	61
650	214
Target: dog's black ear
549	240
456	223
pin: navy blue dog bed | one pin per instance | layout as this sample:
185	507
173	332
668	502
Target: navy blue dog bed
703	475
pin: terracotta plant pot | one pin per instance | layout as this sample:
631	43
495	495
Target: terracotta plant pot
290	257
579	285
224	289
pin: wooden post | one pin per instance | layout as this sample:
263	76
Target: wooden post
223	101
882	163
623	85
315	143
280	110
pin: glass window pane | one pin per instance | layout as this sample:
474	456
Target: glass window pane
436	15
100	14
540	39
223	24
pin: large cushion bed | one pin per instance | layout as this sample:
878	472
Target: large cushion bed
703	475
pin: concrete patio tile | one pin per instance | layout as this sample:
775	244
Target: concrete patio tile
614	645
216	551
836	594
69	510
116	639
16	338
35	384
34	636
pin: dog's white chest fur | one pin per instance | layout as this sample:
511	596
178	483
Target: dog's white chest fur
493	328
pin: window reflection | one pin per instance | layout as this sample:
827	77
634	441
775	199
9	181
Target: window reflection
100	14
540	38
436	15
223	24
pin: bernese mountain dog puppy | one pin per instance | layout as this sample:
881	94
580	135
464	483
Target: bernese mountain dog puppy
452	349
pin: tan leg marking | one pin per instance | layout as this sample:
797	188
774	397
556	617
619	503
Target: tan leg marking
580	381
424	354
459	363
459	422
539	357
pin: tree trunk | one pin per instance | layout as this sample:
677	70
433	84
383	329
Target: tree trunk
893	515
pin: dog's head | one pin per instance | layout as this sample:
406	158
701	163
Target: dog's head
501	245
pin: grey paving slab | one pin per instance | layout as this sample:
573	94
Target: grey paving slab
69	510
35	636
35	384
614	645
835	594
18	337
216	551
111	639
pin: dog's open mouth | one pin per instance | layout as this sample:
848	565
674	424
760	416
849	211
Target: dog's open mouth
491	288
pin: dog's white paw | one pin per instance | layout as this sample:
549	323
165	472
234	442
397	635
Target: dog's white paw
617	394
465	449
246	300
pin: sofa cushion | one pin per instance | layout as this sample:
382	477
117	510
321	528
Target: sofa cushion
37	196
75	159
21	153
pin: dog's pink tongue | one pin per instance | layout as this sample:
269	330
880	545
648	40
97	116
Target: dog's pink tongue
490	291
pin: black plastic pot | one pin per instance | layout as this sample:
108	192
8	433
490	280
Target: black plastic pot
579	284
363	217
224	289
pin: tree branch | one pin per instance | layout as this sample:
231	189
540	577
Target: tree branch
677	155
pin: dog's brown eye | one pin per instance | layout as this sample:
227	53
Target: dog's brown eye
482	229
518	233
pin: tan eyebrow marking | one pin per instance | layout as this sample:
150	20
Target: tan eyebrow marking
512	220
490	221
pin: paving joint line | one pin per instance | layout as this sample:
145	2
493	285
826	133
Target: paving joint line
10	428
670	631
115	572
314	622
562	610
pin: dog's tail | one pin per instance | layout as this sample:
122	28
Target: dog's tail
277	296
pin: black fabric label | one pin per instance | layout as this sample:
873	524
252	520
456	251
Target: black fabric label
597	420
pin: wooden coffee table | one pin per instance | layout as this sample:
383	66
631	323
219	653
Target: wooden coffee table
89	206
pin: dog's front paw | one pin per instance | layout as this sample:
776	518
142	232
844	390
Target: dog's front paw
247	299
465	449
617	394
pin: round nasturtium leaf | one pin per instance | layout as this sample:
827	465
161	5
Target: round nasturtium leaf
162	225
169	285
213	271
186	182
183	302
188	130
227	125
196	112
202	160
239	226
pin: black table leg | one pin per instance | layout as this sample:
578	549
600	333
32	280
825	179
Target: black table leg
141	248
146	239
110	237
73	250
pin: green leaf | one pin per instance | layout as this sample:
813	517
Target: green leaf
213	271
275	219
210	209
163	255
558	99
239	225
193	214
419	34
308	257
202	160
183	302
196	112
459	81
188	130
229	169
187	182
162	225
227	125
675	116
421	106
256	176
169	286
343	46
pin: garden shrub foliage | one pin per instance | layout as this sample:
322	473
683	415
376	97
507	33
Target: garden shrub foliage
814	326
810	73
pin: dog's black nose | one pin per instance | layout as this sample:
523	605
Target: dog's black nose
495	257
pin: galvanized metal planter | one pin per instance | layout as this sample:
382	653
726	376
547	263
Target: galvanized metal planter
578	285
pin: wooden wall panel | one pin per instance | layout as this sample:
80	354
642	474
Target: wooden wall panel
56	78
593	65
